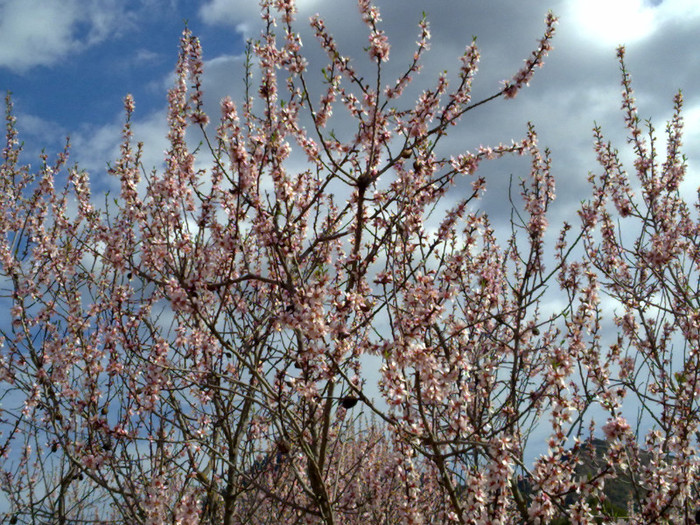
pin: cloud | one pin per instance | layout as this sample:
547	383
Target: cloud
608	23
578	85
96	147
244	16
42	32
605	23
145	56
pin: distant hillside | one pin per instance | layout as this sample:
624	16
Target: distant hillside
619	491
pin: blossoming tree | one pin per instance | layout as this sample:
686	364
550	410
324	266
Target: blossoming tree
193	352
641	239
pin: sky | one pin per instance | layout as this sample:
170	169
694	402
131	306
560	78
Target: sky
69	65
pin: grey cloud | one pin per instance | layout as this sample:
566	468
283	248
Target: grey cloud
578	85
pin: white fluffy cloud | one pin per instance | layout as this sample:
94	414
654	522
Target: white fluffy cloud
244	16
41	32
606	22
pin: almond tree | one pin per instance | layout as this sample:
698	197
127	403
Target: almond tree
642	238
192	351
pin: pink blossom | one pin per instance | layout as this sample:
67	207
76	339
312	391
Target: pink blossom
379	46
616	428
